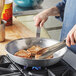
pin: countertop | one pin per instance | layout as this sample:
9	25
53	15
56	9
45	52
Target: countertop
16	31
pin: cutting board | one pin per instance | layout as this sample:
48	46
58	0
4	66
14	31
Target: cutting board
16	31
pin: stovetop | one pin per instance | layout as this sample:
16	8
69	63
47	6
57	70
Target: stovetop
9	68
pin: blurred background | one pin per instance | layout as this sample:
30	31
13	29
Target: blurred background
52	21
25	15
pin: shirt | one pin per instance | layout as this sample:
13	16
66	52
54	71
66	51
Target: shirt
67	10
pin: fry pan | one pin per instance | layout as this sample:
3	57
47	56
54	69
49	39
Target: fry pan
24	43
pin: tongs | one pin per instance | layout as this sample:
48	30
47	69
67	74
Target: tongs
51	49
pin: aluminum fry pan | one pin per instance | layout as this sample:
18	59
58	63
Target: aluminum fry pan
24	43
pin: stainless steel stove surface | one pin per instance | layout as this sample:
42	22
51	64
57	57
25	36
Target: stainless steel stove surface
9	68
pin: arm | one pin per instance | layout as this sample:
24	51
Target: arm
41	18
61	7
54	11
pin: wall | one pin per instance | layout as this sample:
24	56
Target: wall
52	21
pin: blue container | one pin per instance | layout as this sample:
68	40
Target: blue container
28	3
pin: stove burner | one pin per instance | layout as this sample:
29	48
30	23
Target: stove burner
25	67
7	68
36	68
34	72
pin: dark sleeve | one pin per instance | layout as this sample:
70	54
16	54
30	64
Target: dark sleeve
61	7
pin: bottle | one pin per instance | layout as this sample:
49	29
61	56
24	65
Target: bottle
7	12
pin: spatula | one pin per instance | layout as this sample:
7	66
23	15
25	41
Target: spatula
51	50
38	32
33	42
2	2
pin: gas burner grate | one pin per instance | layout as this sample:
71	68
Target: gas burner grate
10	68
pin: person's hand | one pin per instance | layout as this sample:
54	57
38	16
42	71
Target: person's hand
40	19
71	37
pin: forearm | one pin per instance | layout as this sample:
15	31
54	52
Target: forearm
54	11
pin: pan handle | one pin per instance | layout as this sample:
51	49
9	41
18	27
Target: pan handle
38	32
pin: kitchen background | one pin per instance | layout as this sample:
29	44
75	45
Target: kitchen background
52	21
52	25
65	67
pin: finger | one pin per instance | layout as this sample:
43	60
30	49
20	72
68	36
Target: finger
42	23
68	41
72	39
34	18
37	22
75	37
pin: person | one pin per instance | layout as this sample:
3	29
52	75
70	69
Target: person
66	12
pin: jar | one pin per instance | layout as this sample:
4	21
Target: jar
2	31
7	12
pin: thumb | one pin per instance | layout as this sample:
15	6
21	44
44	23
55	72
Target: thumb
42	23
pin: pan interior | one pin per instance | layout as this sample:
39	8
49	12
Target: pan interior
25	43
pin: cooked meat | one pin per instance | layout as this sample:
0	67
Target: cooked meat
39	53
49	57
42	51
23	53
37	57
34	49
